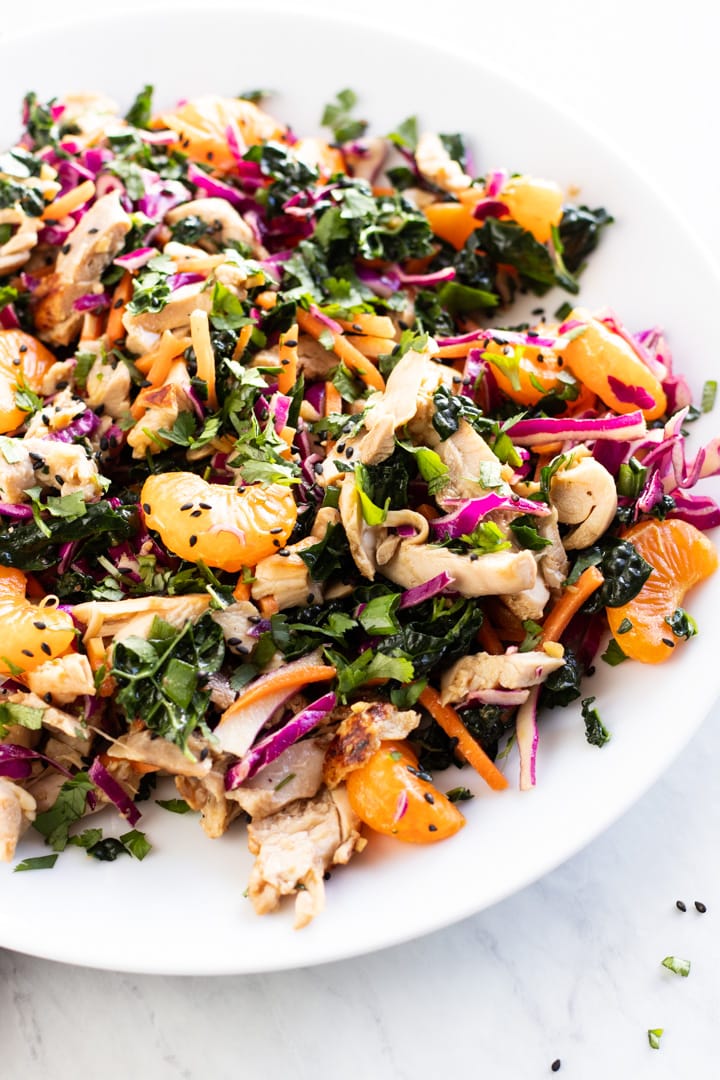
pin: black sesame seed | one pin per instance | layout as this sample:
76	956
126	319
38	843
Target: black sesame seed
91	232
699	906
204	753
58	478
62	384
192	541
680	905
340	447
432	828
666	641
349	451
147	508
47	698
311	598
276	542
233	641
290	344
274	532
196	513
555	1067
39	625
46	648
104	443
327	875
23	348
205	506
118	304
186	506
26	652
65	248
429	798
284	363
284	554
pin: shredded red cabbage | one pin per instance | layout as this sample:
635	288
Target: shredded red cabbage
467	516
559	429
115	793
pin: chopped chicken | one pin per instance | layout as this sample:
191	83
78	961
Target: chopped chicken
314	360
108	386
45	788
17	811
65	466
286	578
296	774
436	165
16	476
360	734
57	720
150	749
58	375
295	847
365	157
54	417
225	226
64	678
496	574
164	404
90	248
207	794
237	622
509	671
15	252
107	618
554	564
464	453
530	603
144	329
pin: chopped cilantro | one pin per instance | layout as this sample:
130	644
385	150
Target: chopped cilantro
595	731
40	862
677	965
337	116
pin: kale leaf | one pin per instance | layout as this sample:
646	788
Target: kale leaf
102	525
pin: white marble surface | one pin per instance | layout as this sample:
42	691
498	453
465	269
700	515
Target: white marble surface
569	968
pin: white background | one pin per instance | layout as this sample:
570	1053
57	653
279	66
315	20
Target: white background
570	967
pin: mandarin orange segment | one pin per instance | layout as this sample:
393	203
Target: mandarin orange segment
392	799
22	359
528	378
31	633
202	128
536	205
611	368
681	556
216	523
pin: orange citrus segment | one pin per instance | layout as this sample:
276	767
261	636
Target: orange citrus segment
606	363
31	633
202	128
22	359
528	375
681	556
452	222
216	523
392	800
536	205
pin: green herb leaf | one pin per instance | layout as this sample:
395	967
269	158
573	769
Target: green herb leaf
378	615
69	807
175	806
86	839
613	654
136	844
533	634
405	134
139	114
654	1036
595	731
371	512
486	537
41	862
681	624
459	794
709	393
24	715
337	116
677	965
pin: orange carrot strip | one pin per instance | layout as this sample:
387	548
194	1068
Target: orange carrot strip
453	726
333	400
200	333
91	327
266	300
371	346
342	347
115	331
376	325
454	352
241	591
488	638
169	344
242	341
160	370
71	200
288	359
269	606
288	678
572	599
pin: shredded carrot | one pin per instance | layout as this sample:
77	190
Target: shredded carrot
160	370
375	325
453	726
269	606
288	359
241	591
242	341
572	599
169	344
371	346
342	347
115	331
291	677
71	200
200	333
453	352
548	450
487	637
333	400
266	300
91	327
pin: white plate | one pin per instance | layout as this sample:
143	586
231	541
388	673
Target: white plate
182	909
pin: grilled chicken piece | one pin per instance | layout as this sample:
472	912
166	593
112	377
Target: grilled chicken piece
530	603
464	453
150	749
436	165
359	735
17	811
108	385
237	622
91	246
361	538
509	671
296	774
15	252
554	565
498	573
54	417
144	330
64	679
65	467
225	226
286	578
207	794
295	847
15	478
109	618
164	404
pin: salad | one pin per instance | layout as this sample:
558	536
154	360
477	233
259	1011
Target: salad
292	510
